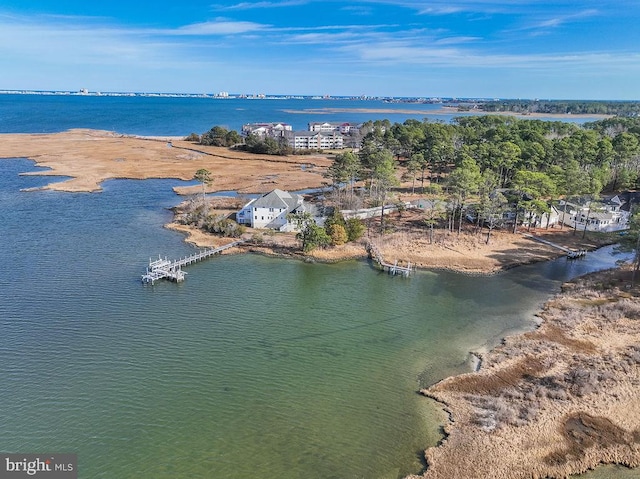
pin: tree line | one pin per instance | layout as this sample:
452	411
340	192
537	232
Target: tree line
575	107
493	159
221	136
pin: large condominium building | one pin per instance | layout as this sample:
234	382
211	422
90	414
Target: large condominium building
310	140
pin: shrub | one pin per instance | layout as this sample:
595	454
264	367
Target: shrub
583	381
257	238
338	234
223	226
355	229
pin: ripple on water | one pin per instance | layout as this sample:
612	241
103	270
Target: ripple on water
253	365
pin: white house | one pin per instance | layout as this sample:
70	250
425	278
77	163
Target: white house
264	130
605	215
323	127
311	140
270	211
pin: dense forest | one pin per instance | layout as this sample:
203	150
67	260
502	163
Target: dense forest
491	161
570	107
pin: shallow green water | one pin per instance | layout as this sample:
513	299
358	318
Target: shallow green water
252	367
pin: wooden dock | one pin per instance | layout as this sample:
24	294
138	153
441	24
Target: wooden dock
172	270
393	269
571	254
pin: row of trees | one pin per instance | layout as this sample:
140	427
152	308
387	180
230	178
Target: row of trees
493	160
575	107
217	136
220	136
577	159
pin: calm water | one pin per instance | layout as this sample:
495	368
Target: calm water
252	367
181	116
178	116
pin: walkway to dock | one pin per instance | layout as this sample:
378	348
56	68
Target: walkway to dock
172	270
571	254
393	269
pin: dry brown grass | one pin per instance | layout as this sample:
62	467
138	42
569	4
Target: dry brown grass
493	382
90	157
552	402
555	334
582	431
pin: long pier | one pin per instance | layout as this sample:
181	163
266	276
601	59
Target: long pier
392	269
172	270
571	254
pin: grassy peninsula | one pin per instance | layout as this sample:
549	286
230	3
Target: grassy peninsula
551	402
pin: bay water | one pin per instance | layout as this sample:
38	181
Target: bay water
252	367
166	116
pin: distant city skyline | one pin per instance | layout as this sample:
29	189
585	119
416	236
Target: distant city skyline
380	48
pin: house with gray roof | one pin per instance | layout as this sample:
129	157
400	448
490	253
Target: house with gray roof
606	214
270	210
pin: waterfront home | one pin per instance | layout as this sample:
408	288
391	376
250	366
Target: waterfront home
270	211
375	212
266	130
312	140
604	215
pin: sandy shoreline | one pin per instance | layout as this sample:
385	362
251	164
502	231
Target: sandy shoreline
467	253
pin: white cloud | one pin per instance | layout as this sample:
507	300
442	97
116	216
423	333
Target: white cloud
440	10
48	47
218	28
405	53
447	7
557	21
259	5
457	40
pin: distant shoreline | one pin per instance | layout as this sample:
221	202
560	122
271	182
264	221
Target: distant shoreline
442	111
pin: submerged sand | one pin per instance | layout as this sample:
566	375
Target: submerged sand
552	402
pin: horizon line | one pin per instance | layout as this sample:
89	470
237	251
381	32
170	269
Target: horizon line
264	96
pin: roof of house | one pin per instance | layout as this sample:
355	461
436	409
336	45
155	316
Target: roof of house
600	215
319	134
614	200
278	199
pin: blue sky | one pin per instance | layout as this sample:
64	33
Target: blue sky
565	49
